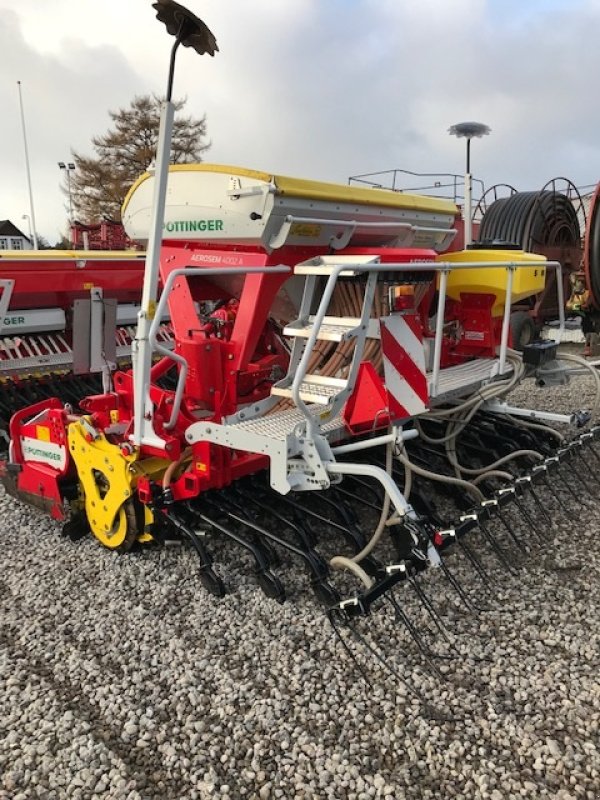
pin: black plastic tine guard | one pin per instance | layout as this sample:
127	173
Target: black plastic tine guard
208	577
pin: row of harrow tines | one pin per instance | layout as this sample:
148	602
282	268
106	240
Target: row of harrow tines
483	501
489	527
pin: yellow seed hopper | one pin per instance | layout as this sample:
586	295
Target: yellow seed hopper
527	280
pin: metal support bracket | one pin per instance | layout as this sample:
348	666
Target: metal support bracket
497	407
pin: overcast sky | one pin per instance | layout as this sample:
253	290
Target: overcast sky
320	89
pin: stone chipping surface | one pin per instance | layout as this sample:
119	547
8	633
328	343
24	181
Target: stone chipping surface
121	678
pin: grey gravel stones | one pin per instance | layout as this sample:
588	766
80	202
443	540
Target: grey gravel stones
121	678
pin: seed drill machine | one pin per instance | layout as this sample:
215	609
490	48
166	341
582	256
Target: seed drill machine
326	368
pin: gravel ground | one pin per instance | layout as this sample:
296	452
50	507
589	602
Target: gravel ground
121	678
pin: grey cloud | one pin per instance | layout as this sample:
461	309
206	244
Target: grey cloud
330	88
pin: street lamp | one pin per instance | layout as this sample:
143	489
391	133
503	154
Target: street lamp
468	131
68	168
188	31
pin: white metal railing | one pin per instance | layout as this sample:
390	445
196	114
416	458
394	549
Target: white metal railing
444	268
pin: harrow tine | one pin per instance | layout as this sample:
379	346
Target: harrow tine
431	611
577	448
520	503
490	539
474	559
332	616
591	449
487	580
402	617
455	537
565	481
589	439
511	532
208	577
567	452
496	505
542	470
267	580
376	653
456	585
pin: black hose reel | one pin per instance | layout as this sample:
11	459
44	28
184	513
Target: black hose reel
548	222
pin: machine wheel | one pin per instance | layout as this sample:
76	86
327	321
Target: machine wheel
125	529
522	328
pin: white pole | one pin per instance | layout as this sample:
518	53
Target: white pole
467	213
33	228
70	199
28	218
468	201
141	355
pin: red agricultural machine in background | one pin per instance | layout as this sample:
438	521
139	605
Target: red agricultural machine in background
327	367
106	235
66	318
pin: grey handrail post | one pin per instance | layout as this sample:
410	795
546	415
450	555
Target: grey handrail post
506	319
439	329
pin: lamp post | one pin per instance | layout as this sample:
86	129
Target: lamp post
68	167
468	131
28	218
27	168
189	31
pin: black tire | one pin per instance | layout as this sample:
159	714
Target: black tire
522	328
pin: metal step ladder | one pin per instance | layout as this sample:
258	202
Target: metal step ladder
297	440
308	329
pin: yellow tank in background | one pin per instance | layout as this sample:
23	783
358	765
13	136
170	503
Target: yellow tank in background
527	281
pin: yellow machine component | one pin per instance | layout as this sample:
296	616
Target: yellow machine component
108	479
312	190
526	280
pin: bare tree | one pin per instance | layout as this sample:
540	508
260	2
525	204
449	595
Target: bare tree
99	183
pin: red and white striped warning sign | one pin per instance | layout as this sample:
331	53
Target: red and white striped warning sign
404	365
